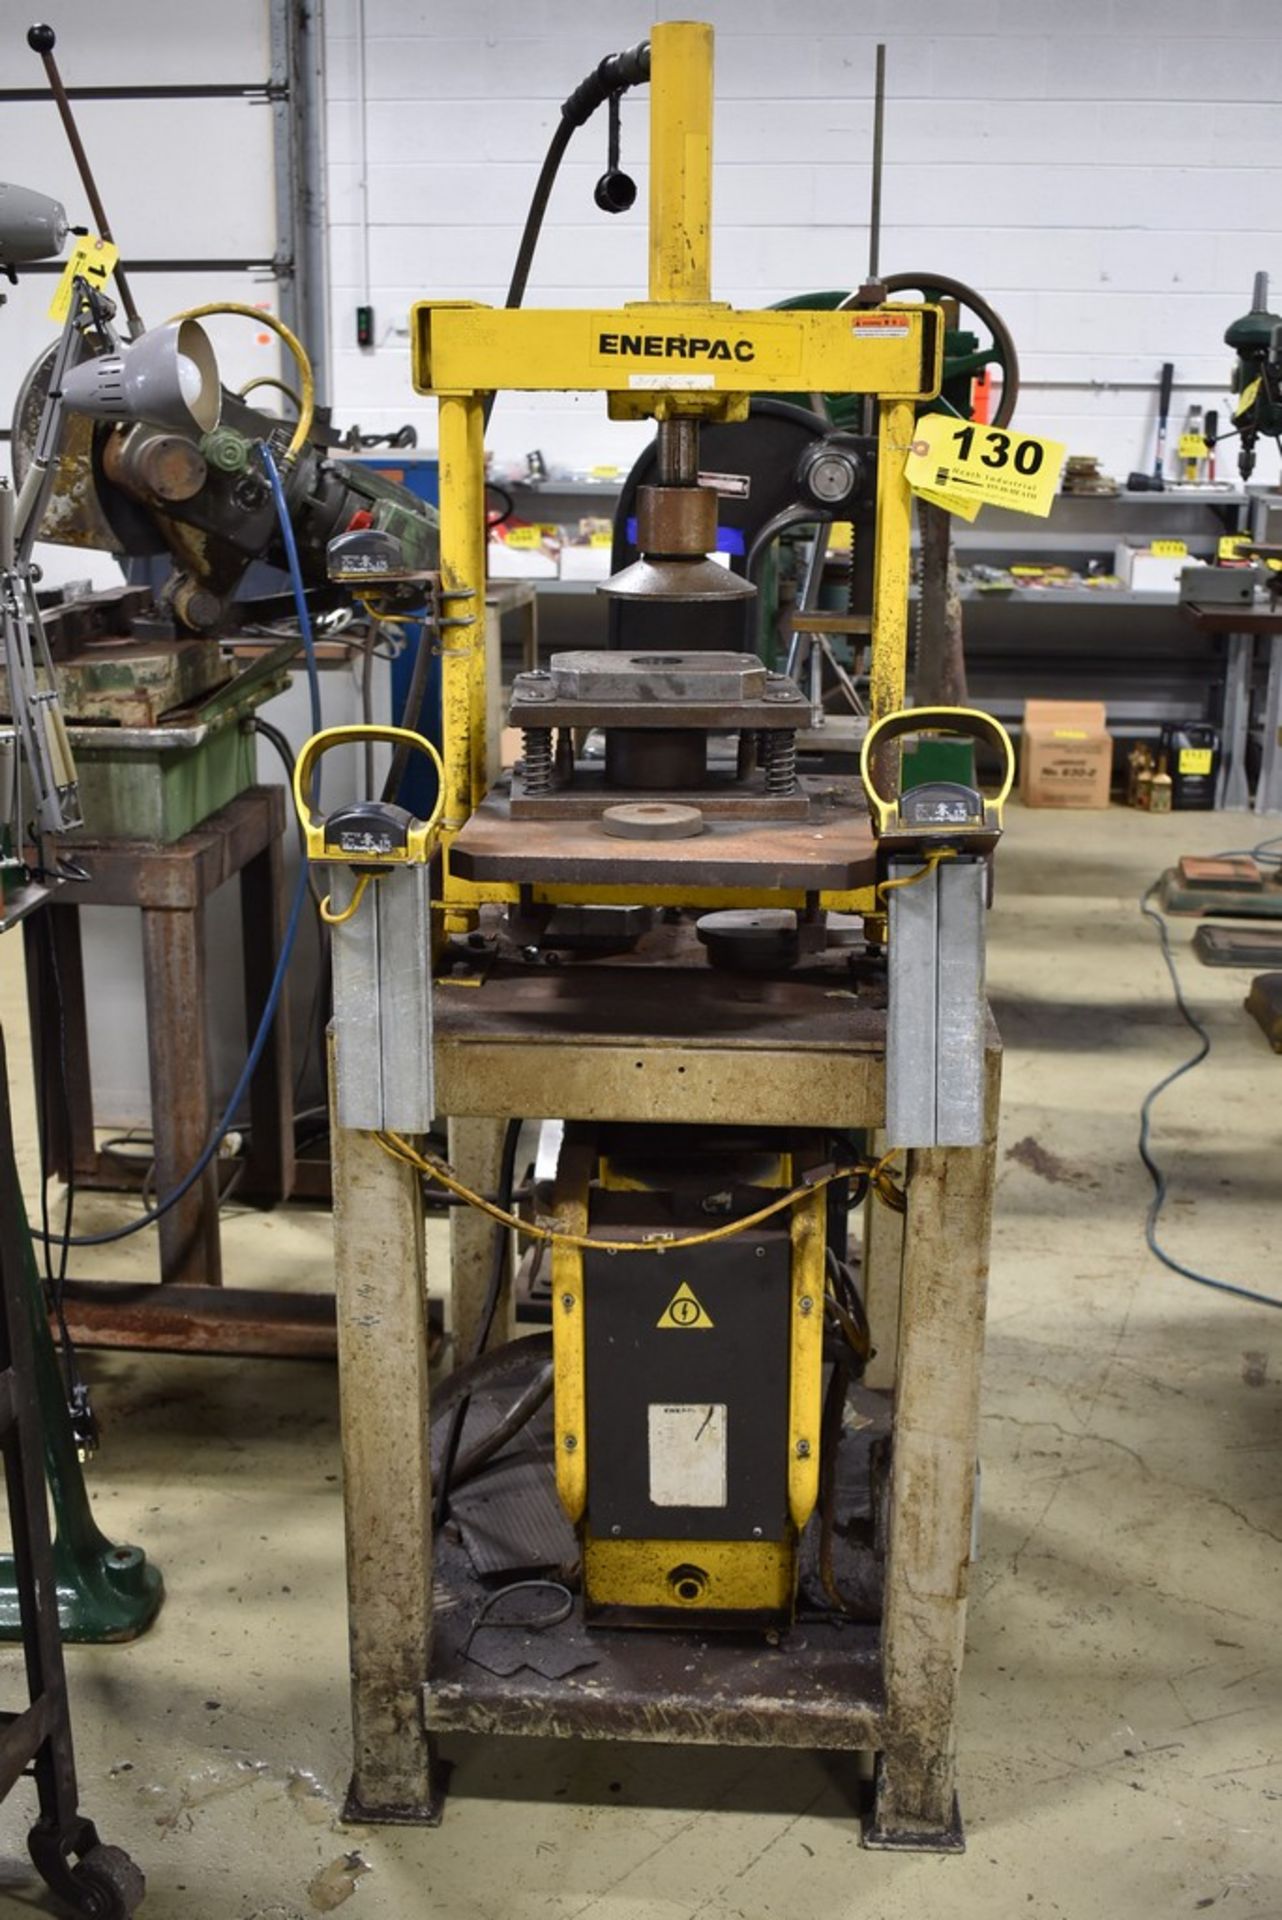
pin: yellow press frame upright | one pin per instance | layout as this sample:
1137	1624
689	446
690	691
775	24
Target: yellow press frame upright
678	353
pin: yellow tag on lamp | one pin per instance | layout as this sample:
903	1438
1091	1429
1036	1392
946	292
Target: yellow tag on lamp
986	465
93	260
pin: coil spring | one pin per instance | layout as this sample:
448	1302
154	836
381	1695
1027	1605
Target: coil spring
781	762
537	748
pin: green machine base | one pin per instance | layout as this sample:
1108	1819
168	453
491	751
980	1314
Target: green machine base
105	1592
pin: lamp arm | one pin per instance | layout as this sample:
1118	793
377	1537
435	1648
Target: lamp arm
37	482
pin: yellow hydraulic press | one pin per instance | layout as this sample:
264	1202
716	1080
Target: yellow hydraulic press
750	1491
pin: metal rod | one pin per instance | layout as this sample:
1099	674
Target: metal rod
678	452
200	265
223	90
878	130
42	40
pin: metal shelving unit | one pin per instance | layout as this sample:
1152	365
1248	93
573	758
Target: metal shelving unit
1132	649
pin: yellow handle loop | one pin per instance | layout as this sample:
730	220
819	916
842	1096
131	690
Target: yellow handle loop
969	722
320	743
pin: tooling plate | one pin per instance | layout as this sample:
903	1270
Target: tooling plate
831	849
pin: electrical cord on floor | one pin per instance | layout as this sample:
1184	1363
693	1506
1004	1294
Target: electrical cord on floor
1195	1059
536	1623
493	1294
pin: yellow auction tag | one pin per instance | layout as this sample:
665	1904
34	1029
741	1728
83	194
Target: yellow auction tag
1231	545
1192	446
93	260
1168	549
1018	471
1246	400
600	539
1195	760
524	537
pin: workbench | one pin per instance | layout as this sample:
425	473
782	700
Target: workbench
603	1042
1240	628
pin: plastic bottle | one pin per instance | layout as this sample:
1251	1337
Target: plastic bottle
1160	791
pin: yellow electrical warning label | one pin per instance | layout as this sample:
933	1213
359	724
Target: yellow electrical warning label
92	260
684	1311
988	465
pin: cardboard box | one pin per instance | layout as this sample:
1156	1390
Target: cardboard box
1144	571
1065	754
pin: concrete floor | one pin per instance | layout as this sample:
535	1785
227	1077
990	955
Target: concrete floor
1121	1734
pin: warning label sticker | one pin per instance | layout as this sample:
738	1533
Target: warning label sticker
882	326
684	1311
688	1455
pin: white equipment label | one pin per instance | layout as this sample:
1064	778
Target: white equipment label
688	1456
657	382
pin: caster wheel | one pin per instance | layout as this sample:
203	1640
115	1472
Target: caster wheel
111	1886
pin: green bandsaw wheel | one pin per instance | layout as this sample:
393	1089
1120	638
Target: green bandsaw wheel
964	357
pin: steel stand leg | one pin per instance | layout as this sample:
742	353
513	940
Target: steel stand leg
941	1340
1234	792
173	958
382	1352
1268	794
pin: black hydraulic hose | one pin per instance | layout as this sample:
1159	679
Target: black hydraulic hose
507	1180
521	1411
615	74
412	711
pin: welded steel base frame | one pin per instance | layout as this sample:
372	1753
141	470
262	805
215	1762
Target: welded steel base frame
926	1279
170	885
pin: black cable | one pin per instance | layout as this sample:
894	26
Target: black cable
318	1012
520	1412
412	711
1152	1167
615	74
280	743
538	1623
449	1453
505	513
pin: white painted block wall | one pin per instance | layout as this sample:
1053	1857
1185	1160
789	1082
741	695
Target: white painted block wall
1107	172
